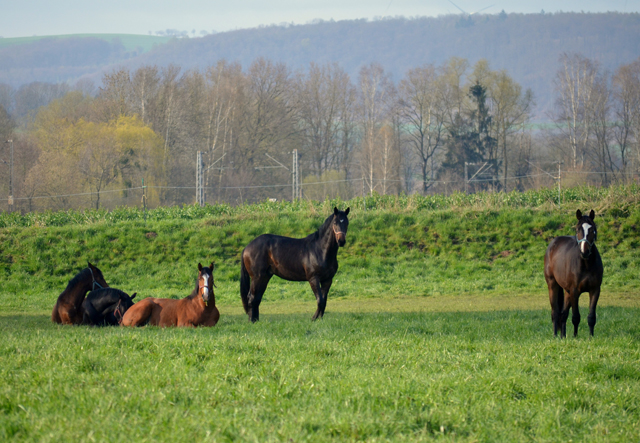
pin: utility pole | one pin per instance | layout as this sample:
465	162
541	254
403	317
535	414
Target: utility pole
11	178
466	178
199	179
144	201
295	178
559	178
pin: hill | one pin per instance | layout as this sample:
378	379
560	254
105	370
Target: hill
65	58
526	45
468	244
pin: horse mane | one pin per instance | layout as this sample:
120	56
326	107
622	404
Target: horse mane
322	229
77	278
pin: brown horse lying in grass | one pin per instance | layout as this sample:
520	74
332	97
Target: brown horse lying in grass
197	309
68	308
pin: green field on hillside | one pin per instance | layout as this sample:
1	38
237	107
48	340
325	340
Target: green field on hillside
129	41
437	326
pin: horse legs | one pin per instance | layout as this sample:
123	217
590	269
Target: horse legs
556	300
594	295
321	291
565	314
138	314
575	312
67	315
258	286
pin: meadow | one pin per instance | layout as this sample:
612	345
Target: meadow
437	326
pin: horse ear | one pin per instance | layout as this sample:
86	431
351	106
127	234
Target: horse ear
347	211
199	267
211	266
578	214
89	264
335	210
592	214
133	296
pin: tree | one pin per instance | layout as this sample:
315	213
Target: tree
626	94
575	81
511	109
423	113
320	95
375	96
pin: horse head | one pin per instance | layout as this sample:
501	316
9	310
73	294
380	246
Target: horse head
205	283
340	224
123	304
96	277
586	232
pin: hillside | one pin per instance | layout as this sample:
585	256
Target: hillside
526	45
468	244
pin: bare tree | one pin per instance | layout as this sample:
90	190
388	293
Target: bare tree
423	112
511	109
375	91
626	94
602	129
115	94
575	82
320	95
144	88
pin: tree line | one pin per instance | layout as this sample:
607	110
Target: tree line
441	128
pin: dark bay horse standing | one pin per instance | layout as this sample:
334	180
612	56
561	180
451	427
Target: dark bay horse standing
573	264
68	308
312	259
105	306
197	309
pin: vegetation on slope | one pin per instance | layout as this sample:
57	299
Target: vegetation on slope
424	246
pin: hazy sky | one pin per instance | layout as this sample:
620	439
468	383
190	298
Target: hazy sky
23	18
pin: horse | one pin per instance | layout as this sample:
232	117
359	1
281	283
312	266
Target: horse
105	306
197	309
573	264
68	307
312	259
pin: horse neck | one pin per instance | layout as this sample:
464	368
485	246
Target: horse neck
79	289
197	301
328	243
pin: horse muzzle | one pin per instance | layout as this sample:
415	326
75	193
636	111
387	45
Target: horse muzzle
206	295
585	247
341	238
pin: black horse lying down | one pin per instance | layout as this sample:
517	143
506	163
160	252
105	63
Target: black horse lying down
106	306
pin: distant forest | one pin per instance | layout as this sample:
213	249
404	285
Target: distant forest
527	46
429	106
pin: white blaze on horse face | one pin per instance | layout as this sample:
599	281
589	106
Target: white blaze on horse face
206	287
583	245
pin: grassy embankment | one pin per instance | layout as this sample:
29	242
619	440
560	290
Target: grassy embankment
437	326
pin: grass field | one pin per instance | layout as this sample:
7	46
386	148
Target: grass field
437	327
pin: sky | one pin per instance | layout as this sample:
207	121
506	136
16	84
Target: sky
25	18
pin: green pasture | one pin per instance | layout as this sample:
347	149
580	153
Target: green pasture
129	41
437	326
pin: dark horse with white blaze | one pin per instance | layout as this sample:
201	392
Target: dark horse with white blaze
573	264
312	259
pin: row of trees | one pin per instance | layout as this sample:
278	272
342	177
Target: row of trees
432	131
597	116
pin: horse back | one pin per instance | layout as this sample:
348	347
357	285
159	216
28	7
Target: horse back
273	254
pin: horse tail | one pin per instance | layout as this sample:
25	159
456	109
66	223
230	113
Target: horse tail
245	284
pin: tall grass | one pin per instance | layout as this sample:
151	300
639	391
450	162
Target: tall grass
616	199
